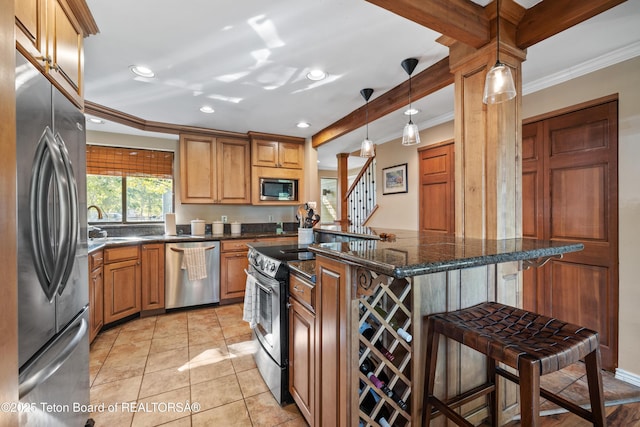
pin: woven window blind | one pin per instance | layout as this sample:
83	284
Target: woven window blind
115	161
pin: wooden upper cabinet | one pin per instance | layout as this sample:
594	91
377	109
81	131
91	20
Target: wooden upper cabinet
214	170
50	33
65	49
234	171
277	151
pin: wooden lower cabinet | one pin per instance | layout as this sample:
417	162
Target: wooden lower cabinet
152	276
122	283
333	295
96	294
232	276
233	262
302	336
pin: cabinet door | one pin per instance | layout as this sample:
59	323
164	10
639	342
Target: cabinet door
232	277
153	276
64	49
121	290
96	298
332	385
302	358
234	171
197	158
265	153
290	155
31	30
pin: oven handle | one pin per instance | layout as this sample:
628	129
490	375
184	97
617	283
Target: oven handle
260	285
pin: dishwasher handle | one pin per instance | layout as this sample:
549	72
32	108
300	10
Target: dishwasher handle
182	250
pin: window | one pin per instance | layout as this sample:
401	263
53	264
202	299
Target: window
128	185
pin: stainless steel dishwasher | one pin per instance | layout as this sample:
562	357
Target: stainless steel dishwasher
182	292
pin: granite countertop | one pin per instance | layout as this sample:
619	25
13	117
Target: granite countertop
306	268
98	243
413	253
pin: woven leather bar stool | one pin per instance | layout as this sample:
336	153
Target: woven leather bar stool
533	344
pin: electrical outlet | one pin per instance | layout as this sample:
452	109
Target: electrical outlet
270	218
224	218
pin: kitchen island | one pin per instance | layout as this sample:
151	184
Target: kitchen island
371	297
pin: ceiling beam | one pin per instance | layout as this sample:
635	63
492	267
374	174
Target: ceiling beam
467	22
551	17
424	83
461	20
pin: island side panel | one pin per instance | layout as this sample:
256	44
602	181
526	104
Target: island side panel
333	338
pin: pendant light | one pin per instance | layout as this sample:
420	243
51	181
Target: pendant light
410	134
498	86
366	148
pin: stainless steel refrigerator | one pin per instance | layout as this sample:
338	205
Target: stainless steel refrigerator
53	291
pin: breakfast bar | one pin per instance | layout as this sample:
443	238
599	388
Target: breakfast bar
371	295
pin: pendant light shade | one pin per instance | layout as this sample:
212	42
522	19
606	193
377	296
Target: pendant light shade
366	148
498	86
410	134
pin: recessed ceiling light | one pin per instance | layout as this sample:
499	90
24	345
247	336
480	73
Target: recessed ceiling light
411	111
207	109
316	75
142	71
96	121
303	125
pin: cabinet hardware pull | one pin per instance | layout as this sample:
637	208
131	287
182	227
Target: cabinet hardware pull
297	289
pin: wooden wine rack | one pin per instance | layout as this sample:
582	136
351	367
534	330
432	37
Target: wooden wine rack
394	297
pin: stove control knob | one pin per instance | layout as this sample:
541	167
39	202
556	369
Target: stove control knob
272	267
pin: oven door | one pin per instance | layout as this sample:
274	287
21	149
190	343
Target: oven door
269	314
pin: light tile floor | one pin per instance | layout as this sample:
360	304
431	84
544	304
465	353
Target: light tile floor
146	371
143	370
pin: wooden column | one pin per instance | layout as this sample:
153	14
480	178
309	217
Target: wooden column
488	180
343	187
488	141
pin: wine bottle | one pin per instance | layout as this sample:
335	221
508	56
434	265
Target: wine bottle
403	334
367	331
386	390
367	405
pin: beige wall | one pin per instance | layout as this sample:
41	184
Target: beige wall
401	210
187	212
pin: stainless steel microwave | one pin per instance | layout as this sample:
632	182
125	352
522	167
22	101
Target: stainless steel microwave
278	189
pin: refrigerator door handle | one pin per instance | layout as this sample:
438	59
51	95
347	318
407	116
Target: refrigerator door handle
52	251
72	216
42	368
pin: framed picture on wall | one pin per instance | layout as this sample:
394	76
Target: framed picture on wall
394	179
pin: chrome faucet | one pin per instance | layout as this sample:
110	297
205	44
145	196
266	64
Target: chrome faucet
100	213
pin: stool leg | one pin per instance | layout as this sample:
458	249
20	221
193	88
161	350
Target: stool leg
430	375
529	371
594	379
493	396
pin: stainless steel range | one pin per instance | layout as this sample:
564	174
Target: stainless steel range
266	310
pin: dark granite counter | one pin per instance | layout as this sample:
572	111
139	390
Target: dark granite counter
97	243
413	253
305	268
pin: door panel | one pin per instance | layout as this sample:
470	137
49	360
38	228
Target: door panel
437	204
570	194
